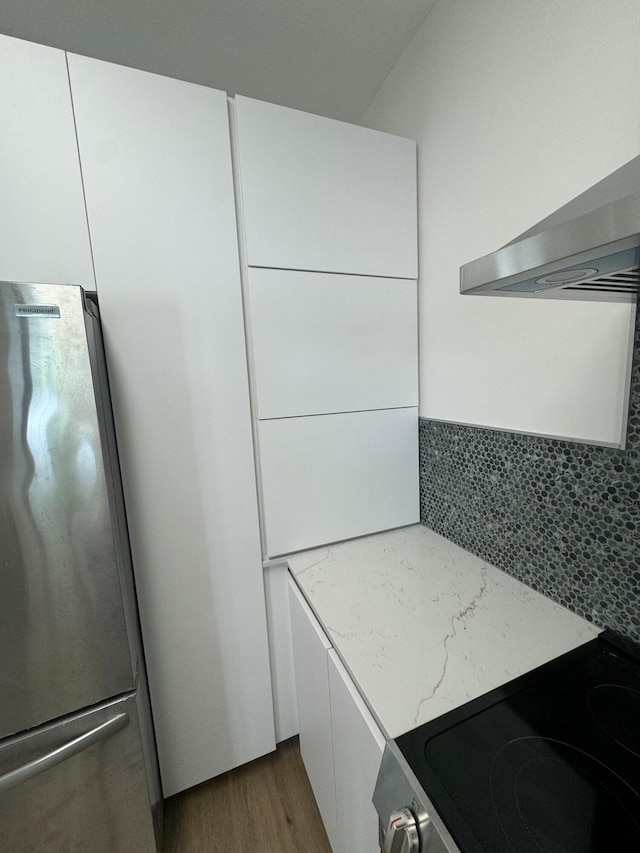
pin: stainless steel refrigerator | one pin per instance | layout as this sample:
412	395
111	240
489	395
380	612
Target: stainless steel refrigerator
78	769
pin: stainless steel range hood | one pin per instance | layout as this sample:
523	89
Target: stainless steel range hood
588	250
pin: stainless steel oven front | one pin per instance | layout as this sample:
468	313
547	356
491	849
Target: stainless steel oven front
408	821
548	762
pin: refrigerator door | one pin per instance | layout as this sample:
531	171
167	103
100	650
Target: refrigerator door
78	785
62	627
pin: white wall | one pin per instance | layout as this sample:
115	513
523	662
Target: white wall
517	107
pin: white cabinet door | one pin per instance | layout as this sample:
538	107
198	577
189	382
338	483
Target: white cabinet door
283	681
340	742
358	744
320	194
44	234
310	646
156	160
332	343
331	477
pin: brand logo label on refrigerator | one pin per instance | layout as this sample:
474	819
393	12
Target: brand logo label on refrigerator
37	310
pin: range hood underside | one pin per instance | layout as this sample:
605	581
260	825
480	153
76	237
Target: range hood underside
591	256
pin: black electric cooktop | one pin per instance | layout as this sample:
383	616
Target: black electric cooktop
549	763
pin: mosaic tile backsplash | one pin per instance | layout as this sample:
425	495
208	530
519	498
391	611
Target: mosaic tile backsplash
562	517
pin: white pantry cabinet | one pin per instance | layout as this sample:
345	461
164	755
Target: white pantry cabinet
44	234
156	160
332	343
320	194
331	477
340	742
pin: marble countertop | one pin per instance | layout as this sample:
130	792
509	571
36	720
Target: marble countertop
424	626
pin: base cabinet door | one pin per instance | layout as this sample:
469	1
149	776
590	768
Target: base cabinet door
310	646
358	744
340	742
283	681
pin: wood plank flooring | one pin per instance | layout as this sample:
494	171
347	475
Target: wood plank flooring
263	807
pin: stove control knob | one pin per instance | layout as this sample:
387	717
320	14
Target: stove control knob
402	833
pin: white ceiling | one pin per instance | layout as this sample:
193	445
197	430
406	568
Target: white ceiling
324	56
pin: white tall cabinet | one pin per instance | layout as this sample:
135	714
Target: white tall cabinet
156	162
44	234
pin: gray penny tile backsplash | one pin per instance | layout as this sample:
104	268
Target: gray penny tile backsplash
560	516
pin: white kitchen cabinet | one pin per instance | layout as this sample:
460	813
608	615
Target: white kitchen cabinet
331	477
358	745
340	742
283	682
44	234
310	647
332	343
328	227
155	155
320	194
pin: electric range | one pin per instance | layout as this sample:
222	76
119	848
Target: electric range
547	763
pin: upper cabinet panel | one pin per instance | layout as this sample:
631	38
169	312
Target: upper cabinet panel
332	477
319	194
332	343
44	234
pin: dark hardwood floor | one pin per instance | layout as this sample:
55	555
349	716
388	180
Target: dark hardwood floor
263	807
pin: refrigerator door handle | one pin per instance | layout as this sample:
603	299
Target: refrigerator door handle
62	753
